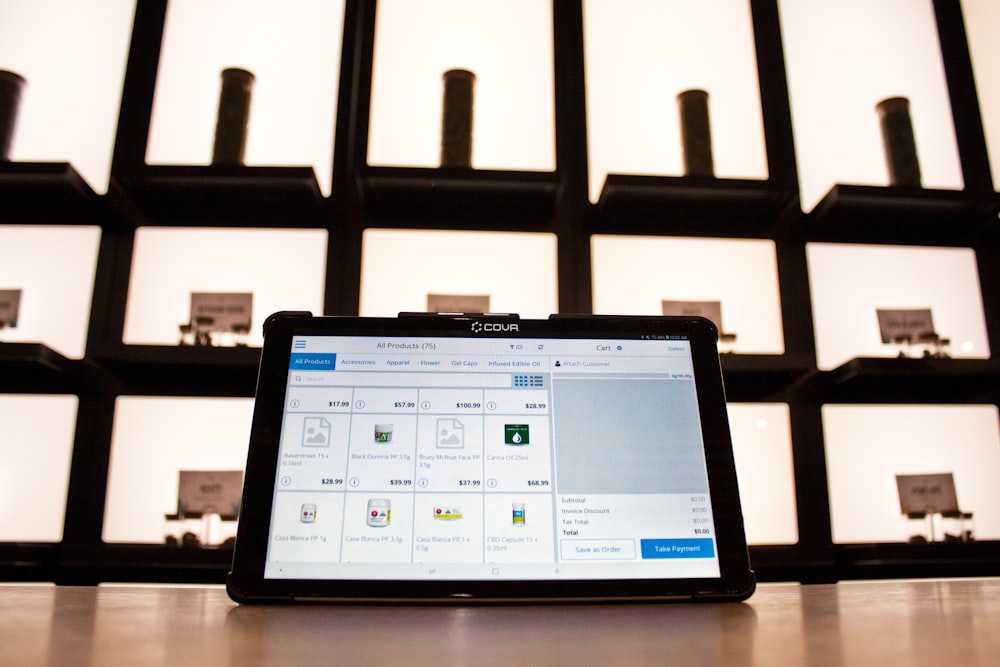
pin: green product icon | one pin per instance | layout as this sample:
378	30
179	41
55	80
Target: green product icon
515	434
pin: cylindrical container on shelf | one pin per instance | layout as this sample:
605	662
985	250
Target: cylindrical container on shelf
456	120
234	113
11	85
898	142
696	133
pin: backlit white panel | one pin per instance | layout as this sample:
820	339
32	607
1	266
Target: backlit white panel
54	268
867	446
73	56
293	50
762	446
639	55
842	58
632	275
285	269
506	43
849	282
36	446
400	268
154	438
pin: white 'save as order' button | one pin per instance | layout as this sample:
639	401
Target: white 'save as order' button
597	549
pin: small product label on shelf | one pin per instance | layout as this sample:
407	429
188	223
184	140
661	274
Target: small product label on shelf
10	305
458	303
210	492
225	312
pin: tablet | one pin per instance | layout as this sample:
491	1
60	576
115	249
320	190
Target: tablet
489	458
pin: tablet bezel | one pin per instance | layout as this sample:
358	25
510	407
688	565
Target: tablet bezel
246	582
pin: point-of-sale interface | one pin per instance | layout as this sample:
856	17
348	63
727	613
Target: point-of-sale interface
490	458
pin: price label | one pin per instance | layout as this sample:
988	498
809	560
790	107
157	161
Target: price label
711	310
400	482
331	481
223	311
210	491
10	303
910	324
458	303
538	482
470	482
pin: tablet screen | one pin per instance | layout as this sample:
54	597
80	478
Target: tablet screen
413	457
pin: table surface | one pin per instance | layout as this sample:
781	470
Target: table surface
930	622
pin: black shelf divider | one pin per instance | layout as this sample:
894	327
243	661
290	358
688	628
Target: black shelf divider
89	466
969	132
574	214
693	205
936	559
763	377
89	564
29	561
350	153
32	365
884	214
35	368
132	138
177	370
227	195
774	99
892	380
432	197
45	192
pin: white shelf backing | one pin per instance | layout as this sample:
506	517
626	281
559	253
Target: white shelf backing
868	445
849	282
762	446
54	267
73	56
842	58
285	269
639	55
294	55
152	439
513	99
632	275
399	268
36	447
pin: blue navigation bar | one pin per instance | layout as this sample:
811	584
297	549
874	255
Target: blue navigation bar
678	548
312	362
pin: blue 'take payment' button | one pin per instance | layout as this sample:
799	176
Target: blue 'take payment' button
678	548
312	362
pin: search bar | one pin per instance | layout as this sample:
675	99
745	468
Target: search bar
416	379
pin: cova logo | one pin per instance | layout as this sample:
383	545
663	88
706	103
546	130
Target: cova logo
480	327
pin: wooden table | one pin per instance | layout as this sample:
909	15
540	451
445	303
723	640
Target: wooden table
952	622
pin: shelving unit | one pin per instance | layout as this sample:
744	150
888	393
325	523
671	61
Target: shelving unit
557	203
